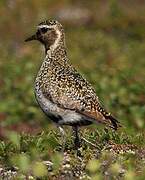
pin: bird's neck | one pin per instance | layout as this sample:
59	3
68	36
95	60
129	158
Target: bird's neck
55	60
56	54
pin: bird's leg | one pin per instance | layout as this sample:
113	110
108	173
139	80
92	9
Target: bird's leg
76	140
63	139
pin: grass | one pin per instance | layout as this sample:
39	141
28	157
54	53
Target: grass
110	54
113	155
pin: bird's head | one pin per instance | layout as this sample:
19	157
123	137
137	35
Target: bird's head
49	33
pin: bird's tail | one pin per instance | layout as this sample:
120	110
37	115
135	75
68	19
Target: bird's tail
115	124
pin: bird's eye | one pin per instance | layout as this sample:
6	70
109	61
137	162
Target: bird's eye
44	30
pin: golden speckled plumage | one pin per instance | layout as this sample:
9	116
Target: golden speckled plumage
63	94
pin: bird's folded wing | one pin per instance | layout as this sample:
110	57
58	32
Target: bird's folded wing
92	110
78	95
94	113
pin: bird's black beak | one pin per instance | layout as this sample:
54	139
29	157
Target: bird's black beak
33	37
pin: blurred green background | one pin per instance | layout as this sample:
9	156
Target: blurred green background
105	41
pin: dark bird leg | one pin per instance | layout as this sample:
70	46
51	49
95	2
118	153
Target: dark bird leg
76	140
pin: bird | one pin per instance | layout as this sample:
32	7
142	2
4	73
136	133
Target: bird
62	93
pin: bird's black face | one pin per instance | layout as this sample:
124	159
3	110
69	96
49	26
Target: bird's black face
46	33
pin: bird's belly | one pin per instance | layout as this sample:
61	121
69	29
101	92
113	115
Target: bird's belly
72	118
49	108
59	115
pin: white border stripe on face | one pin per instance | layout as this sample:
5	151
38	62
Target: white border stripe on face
43	26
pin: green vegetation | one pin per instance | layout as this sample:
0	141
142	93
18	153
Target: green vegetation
108	47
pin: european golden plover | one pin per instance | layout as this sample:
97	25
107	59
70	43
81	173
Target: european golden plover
62	93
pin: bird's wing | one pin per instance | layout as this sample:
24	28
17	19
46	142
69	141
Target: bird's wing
76	94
